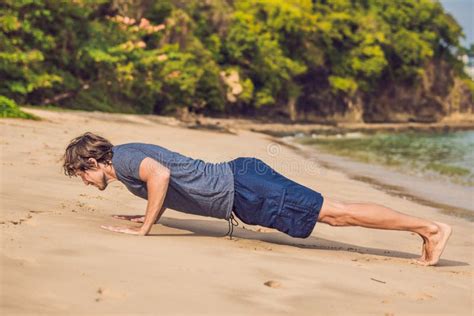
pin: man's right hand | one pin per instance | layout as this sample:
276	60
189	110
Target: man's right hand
132	218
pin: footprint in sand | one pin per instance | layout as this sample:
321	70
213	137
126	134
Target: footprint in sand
19	221
423	297
38	212
99	291
107	293
82	207
98	197
273	284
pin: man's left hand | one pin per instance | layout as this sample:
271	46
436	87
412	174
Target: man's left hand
125	230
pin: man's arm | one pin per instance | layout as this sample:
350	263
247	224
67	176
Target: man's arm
157	179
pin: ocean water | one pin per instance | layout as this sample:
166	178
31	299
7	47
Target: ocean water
446	156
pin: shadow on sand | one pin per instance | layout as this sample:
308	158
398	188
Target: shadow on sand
212	228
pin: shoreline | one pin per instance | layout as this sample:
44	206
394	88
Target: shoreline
401	185
280	128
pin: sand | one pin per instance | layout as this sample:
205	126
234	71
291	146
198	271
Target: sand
55	258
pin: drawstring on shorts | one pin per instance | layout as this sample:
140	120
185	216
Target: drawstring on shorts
231	225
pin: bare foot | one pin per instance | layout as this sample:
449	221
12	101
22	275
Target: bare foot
132	218
421	260
423	250
435	244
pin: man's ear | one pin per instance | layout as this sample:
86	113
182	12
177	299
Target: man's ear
94	162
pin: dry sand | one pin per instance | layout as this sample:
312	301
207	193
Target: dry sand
55	259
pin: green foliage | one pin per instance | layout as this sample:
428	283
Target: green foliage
8	108
470	85
172	54
254	44
343	84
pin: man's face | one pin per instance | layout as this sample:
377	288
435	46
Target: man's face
95	177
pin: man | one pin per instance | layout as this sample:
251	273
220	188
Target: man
246	187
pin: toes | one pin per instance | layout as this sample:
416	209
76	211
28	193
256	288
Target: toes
420	262
424	263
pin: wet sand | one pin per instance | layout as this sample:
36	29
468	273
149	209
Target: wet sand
55	259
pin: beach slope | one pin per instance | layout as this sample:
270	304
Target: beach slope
55	258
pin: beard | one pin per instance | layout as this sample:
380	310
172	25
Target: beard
103	184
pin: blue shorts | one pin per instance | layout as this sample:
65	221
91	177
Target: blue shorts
266	198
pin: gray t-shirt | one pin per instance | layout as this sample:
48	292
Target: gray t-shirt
195	186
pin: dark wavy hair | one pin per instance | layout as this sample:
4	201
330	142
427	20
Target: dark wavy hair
83	147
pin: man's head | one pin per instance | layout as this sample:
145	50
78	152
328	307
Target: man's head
89	156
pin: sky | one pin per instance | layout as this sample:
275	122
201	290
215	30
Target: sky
463	12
